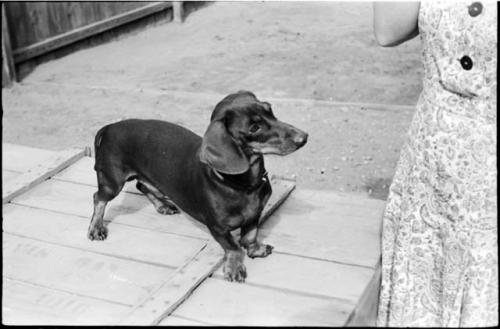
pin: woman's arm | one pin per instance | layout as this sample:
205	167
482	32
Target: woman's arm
395	22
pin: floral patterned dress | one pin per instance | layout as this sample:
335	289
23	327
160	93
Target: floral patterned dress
439	234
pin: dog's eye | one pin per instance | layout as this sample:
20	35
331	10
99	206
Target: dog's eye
254	128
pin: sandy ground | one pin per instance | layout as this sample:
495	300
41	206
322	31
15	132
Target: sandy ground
316	62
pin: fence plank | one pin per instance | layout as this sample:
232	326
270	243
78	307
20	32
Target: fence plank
24	53
8	67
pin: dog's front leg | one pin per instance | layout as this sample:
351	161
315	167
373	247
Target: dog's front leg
249	240
233	269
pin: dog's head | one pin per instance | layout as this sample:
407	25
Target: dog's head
241	126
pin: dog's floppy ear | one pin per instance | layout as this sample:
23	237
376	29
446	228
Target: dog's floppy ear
220	151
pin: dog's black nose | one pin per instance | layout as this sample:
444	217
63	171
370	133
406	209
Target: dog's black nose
300	139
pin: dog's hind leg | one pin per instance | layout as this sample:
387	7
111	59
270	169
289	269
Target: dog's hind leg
162	204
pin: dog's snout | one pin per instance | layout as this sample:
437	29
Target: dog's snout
300	139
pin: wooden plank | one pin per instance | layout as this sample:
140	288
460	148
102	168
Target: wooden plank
178	11
127	209
22	158
27	52
8	68
314	224
15	10
183	282
224	303
81	172
281	190
125	242
80	272
40	173
365	314
8	175
307	276
28	304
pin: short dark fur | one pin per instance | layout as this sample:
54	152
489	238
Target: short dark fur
219	179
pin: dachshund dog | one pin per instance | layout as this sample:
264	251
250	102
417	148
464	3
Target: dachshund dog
219	180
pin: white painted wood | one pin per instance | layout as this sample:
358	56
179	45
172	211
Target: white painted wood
123	241
80	272
28	304
231	304
39	173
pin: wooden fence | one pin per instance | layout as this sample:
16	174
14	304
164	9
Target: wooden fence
31	29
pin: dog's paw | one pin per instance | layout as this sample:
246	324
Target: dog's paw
167	210
259	250
234	270
97	233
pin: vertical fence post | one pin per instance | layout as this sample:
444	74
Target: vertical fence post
178	11
8	67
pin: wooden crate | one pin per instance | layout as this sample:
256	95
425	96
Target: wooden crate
156	269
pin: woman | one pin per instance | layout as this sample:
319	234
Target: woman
439	236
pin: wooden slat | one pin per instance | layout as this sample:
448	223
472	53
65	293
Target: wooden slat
81	172
79	272
365	314
307	276
123	241
8	175
22	158
183	282
220	302
352	228
281	190
40	173
8	68
28	304
25	53
126	208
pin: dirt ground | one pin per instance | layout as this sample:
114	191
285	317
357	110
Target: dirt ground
316	62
